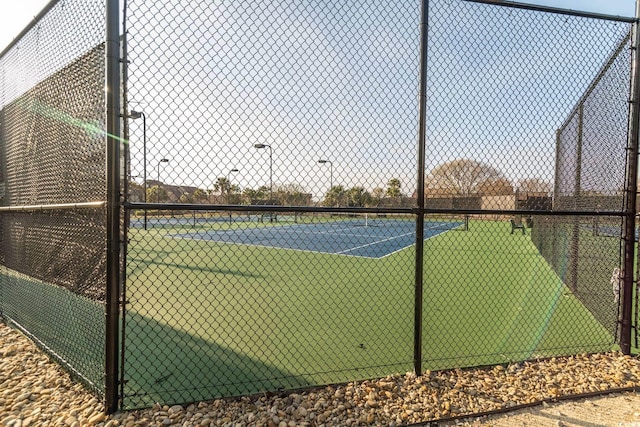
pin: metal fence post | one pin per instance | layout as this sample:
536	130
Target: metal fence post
417	337
577	194
630	193
112	140
555	204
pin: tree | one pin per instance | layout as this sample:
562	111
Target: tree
461	177
358	196
199	196
260	194
534	185
157	194
393	188
291	195
222	186
496	187
334	196
233	195
225	188
377	194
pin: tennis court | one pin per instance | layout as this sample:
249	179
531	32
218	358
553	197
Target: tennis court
359	237
208	317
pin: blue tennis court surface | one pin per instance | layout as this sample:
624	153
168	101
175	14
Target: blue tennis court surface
374	240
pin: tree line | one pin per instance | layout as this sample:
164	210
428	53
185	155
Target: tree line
224	192
467	178
456	178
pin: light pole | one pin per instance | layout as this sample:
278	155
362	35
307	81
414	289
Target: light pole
322	162
229	189
159	163
229	178
259	146
136	115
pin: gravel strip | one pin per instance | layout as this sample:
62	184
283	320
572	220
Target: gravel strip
34	391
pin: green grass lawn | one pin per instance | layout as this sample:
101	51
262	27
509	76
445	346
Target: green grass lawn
207	319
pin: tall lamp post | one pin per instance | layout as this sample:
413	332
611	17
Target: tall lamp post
161	161
136	115
259	146
229	189
322	162
229	178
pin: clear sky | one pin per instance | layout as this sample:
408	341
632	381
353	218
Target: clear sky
16	15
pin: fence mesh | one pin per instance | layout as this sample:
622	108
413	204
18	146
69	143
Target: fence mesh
517	76
52	159
591	163
281	103
296	123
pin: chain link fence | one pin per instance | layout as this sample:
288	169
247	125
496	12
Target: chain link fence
274	191
502	80
590	165
289	113
52	179
313	192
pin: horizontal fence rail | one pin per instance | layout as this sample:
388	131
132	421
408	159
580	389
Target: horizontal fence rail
311	209
59	206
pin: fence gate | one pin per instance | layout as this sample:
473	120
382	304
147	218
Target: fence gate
527	108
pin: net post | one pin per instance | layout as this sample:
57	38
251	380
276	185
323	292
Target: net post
112	141
630	192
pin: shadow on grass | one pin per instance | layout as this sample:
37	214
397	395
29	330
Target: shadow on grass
198	269
167	365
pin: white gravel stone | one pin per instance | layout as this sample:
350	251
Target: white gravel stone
36	392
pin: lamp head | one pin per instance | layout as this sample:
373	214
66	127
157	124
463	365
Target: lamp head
260	145
135	114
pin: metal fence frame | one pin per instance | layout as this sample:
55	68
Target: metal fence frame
631	191
114	240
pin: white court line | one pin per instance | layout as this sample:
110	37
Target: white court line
341	253
331	233
304	230
413	244
374	243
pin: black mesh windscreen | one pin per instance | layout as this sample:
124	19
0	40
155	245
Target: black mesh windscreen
52	180
54	154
